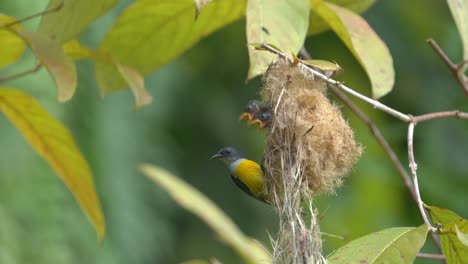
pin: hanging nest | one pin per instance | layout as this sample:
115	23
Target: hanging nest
309	149
309	129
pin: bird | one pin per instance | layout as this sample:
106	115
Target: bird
246	174
252	108
257	113
262	119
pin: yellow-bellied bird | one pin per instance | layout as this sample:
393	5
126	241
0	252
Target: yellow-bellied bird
246	174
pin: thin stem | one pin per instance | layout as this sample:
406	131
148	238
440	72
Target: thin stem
44	12
343	87
438	115
414	167
21	74
430	256
457	70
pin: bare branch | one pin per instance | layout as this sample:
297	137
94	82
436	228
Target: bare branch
341	86
414	167
430	256
457	70
438	115
21	74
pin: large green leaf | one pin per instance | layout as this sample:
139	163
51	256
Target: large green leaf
393	245
150	33
12	46
51	55
72	18
318	25
459	9
194	201
454	250
281	23
363	42
56	145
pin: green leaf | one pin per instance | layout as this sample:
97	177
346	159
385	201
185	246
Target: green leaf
150	33
282	23
393	245
454	249
318	25
323	65
199	5
198	204
72	18
51	55
459	9
12	46
463	237
363	42
56	145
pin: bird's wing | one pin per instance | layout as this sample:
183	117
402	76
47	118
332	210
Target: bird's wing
246	189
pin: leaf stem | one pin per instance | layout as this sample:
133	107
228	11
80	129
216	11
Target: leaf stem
37	67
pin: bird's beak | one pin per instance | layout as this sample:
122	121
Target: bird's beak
256	122
216	156
246	116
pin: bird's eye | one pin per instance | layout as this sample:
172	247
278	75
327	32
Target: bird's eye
228	151
248	108
264	116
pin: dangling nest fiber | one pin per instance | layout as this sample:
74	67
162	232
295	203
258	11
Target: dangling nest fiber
309	149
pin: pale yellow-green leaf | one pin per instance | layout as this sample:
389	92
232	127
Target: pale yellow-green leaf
72	18
199	5
463	237
137	85
77	51
370	51
56	145
198	204
452	247
12	46
150	33
393	245
282	23
318	25
323	65
459	9
51	55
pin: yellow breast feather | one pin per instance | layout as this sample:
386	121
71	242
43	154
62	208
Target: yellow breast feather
250	173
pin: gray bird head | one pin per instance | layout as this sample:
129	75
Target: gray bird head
228	155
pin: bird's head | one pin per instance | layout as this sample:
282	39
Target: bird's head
262	119
228	155
250	109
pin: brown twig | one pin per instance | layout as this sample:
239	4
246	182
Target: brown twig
457	70
20	74
44	12
436	115
430	256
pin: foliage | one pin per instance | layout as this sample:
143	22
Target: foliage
150	34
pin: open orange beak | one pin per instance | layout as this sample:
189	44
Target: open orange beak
256	122
245	116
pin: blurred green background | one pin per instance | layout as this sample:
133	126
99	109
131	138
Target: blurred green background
197	100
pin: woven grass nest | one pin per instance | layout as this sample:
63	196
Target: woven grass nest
309	140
